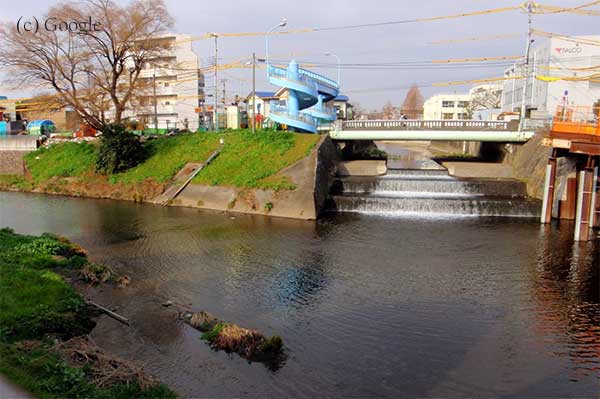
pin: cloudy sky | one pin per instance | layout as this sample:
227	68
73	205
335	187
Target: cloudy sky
369	83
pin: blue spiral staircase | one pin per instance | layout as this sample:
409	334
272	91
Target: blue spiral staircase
309	98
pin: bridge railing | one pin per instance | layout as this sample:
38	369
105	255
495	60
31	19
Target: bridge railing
320	78
280	108
409	124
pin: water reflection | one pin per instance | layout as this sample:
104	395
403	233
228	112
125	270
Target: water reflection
367	306
567	287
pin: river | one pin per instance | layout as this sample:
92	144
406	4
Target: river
367	305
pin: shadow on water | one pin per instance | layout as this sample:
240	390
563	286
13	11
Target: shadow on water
367	305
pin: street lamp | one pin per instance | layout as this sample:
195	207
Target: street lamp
216	118
279	25
338	64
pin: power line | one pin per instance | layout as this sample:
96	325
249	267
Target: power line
475	39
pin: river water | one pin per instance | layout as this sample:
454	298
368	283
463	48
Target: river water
367	305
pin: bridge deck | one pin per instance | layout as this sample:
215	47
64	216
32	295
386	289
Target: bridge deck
431	130
409	124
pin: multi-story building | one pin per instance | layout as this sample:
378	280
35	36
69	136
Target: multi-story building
446	106
550	60
175	77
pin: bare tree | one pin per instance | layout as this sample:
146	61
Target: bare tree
93	69
388	111
358	111
484	97
412	107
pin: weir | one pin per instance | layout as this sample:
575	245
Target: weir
431	191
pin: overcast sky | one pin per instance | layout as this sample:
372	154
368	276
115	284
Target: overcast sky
375	45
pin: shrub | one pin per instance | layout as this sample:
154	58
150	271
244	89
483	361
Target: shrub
119	150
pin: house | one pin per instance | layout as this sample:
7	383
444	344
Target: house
343	108
446	106
262	100
175	84
551	60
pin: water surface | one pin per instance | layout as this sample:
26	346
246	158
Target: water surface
368	306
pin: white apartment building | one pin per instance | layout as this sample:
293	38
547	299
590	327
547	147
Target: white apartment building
179	86
551	58
446	106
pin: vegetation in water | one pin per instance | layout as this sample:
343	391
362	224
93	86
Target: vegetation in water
38	308
229	337
213	333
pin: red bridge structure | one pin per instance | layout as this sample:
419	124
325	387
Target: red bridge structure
575	133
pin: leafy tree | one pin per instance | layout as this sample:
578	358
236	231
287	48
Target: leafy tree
119	150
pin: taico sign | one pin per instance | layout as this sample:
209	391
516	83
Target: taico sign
568	50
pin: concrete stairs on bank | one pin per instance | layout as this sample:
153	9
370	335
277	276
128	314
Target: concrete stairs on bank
182	179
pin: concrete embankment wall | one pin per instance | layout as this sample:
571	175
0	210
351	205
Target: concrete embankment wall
12	151
526	162
312	175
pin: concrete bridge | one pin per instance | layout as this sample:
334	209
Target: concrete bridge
430	130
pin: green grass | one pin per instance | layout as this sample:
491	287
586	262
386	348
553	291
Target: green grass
61	160
35	303
167	155
252	160
247	160
213	333
43	373
15	181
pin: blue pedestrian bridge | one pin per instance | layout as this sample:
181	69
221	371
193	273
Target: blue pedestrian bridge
309	101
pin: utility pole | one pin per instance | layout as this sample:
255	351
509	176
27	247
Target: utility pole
529	8
155	104
224	91
216	116
253	92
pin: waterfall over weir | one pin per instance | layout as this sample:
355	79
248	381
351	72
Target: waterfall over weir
431	192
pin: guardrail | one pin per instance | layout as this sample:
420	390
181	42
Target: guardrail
408	124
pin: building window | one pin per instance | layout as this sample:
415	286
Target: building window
448	104
448	115
462	116
166	84
463	104
167	102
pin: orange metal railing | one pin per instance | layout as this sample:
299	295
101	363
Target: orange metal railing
577	120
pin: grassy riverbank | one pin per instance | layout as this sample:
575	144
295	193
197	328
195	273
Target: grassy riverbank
247	160
41	313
